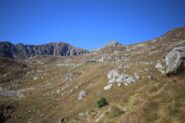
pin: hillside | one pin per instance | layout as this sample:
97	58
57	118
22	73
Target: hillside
142	83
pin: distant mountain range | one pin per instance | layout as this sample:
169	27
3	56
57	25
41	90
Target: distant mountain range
7	49
10	50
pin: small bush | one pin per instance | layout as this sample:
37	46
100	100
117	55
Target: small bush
102	102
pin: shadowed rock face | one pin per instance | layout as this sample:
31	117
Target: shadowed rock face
7	49
10	50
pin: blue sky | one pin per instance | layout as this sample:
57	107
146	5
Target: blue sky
88	23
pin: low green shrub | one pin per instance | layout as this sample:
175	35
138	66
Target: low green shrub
102	102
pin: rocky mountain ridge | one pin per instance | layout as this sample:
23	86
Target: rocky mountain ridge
10	50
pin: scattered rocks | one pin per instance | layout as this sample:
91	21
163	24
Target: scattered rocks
112	74
114	77
65	86
110	58
105	58
81	95
175	60
27	89
11	93
68	77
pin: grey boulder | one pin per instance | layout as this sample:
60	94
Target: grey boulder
175	60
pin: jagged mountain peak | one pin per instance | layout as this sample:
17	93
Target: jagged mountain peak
113	43
20	50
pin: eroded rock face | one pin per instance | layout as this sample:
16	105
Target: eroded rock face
10	50
175	60
7	49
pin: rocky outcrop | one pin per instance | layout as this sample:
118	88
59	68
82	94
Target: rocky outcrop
7	49
175	60
10	50
111	44
115	78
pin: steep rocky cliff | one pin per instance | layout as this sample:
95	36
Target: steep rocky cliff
10	50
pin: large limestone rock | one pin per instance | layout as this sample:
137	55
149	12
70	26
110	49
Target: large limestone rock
114	77
175	60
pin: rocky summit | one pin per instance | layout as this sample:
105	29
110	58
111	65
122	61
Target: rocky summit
10	50
138	83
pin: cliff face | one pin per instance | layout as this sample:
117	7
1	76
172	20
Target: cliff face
7	49
10	50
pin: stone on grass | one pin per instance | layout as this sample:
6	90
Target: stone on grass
81	114
81	95
107	87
